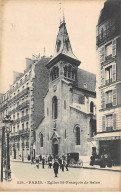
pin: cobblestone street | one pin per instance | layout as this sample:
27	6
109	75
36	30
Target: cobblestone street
25	175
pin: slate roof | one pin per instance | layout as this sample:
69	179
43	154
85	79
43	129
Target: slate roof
88	78
111	8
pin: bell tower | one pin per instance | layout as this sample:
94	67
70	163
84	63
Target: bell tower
64	64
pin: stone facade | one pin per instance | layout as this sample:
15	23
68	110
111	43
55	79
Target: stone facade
67	121
108	138
25	104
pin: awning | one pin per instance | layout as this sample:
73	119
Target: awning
107	136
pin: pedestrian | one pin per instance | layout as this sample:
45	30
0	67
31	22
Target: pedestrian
37	163
40	157
60	162
55	167
62	165
50	164
46	159
43	162
66	165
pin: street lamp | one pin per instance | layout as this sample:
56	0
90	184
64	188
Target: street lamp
7	121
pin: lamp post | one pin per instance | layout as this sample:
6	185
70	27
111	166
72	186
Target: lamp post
7	121
2	151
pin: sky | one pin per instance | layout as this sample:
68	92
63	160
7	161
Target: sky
28	27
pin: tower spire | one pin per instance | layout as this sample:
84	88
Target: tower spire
60	11
63	16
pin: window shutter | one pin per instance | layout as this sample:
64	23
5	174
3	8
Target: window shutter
114	121
102	54
103	100
114	48
103	76
103	123
114	72
114	97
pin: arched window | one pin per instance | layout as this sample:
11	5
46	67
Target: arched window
69	71
91	107
77	135
41	140
54	107
54	73
65	71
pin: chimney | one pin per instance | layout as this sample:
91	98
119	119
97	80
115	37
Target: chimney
16	75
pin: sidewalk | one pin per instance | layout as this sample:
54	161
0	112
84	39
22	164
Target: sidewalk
85	166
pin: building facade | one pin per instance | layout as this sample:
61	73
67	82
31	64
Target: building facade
108	138
24	103
69	104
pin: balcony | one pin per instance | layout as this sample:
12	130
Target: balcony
109	128
107	35
24	131
22	93
109	105
17	86
3	107
23	105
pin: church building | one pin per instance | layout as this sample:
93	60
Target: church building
69	104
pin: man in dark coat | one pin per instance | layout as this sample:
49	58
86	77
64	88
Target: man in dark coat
55	167
43	162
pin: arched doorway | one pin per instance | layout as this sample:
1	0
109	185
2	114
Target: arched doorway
55	147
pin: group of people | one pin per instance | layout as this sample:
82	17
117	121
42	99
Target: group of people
103	160
55	162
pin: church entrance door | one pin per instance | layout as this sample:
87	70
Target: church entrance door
55	147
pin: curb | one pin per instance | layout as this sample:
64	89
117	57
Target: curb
93	168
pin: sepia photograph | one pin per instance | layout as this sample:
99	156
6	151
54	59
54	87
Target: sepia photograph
60	95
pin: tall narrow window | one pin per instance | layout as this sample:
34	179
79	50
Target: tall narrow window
91	107
23	126
65	104
108	50
108	74
23	113
17	127
41	140
17	115
27	125
108	99
109	122
65	133
54	107
77	135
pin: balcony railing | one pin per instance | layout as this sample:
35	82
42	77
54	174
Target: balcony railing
3	107
19	107
24	131
107	35
22	93
23	105
109	105
21	83
109	128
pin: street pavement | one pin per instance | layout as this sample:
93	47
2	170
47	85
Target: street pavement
26	176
